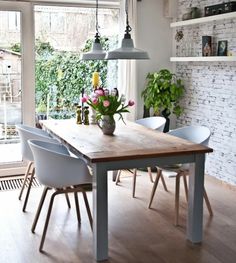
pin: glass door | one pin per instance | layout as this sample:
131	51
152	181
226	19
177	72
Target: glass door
16	80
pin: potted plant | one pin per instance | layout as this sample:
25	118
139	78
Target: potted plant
162	93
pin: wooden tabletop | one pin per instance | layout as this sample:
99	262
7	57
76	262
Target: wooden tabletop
130	141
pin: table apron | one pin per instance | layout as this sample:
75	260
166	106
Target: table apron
147	162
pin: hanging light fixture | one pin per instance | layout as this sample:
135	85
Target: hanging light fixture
127	49
96	53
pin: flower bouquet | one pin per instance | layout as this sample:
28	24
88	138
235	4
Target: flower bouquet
106	104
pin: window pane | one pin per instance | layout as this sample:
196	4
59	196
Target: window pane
10	86
62	35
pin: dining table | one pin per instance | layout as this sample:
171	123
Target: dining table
131	146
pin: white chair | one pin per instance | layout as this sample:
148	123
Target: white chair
155	123
65	174
196	134
26	133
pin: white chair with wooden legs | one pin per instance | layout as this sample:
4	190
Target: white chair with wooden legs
26	133
61	172
196	134
155	123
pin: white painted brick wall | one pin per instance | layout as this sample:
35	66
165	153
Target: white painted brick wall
210	97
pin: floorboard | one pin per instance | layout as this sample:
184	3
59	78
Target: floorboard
136	234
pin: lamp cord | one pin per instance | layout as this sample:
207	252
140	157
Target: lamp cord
128	27
97	27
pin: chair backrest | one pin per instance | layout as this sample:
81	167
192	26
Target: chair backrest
26	133
155	122
196	134
54	167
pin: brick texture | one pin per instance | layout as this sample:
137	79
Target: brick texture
210	96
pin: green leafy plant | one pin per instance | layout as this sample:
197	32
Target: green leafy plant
16	47
163	92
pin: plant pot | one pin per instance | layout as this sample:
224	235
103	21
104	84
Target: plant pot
166	115
146	112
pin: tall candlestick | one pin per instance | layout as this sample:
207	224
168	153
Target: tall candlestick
95	80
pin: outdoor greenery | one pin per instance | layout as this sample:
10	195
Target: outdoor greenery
16	47
61	77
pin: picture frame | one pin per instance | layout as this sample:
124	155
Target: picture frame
222	48
206	46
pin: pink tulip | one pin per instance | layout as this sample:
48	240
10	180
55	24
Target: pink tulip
131	103
85	99
106	103
99	92
95	101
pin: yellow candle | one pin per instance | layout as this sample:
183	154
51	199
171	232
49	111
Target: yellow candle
95	79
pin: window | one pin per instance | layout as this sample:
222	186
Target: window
14	21
57	22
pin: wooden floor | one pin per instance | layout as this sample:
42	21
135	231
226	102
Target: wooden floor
136	234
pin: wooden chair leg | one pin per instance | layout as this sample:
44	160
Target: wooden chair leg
164	182
134	182
185	185
67	200
45	190
177	183
88	209
207	202
150	174
159	171
118	177
28	190
27	172
47	221
77	207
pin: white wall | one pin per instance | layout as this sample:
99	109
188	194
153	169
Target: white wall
210	94
155	36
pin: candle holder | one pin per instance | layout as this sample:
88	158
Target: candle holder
92	115
79	115
86	115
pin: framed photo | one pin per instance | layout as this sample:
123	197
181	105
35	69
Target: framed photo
206	46
222	48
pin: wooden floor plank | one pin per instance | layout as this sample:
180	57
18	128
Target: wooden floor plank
136	234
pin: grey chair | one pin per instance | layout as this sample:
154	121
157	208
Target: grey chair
196	134
26	133
65	174
156	123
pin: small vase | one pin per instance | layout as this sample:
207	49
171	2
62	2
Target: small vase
107	124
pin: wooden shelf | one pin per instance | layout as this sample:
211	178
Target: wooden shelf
215	58
203	19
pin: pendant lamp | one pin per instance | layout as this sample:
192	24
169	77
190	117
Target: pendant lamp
96	53
127	49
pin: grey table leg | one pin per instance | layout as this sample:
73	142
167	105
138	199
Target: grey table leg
100	213
195	202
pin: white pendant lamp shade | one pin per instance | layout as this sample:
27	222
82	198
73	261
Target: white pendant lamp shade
127	51
96	53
